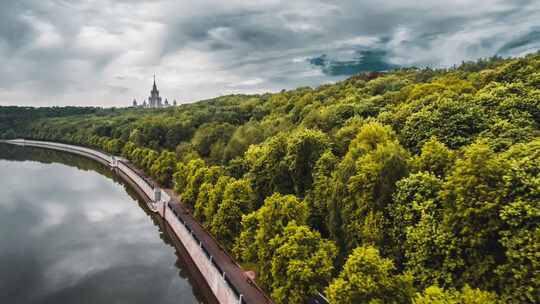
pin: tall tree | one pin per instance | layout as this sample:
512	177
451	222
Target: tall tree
259	227
473	197
436	295
318	199
302	264
304	148
238	199
163	167
369	278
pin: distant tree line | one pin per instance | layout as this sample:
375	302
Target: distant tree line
413	186
15	119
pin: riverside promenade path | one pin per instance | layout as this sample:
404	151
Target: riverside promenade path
203	249
234	273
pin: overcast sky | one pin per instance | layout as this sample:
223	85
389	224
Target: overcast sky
104	52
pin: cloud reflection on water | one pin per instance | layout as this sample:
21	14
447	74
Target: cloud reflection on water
74	236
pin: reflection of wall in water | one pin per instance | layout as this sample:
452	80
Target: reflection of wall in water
48	156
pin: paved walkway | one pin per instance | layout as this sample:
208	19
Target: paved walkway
252	294
235	275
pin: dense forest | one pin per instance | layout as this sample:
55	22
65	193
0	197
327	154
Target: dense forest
411	186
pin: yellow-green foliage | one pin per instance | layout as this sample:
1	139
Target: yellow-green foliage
436	295
369	278
385	184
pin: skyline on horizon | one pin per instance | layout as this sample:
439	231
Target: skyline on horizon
104	52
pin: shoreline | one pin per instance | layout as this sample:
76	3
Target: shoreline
224	277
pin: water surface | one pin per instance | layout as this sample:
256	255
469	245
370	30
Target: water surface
70	232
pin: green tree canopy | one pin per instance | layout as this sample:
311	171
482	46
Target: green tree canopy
436	295
238	199
302	264
259	227
369	278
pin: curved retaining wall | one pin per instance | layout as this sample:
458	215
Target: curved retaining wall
215	278
160	202
93	154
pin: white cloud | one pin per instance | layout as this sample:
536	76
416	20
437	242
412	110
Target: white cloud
47	34
104	52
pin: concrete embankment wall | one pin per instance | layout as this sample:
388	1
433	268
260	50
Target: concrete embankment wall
201	258
160	202
93	154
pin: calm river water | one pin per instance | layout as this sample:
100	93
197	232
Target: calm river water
70	232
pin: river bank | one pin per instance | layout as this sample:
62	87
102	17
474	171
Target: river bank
73	231
224	277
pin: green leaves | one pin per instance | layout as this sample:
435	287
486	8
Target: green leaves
303	149
238	199
163	167
284	163
455	122
210	140
301	265
520	233
435	170
259	227
435	157
369	278
363	185
436	295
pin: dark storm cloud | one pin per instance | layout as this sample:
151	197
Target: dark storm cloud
367	61
14	32
244	31
520	42
104	52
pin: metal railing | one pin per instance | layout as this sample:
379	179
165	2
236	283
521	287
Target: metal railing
210	258
147	186
64	147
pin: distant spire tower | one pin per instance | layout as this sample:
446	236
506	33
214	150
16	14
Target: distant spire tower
154	100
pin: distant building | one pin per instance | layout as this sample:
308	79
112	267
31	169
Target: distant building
174	103
154	100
